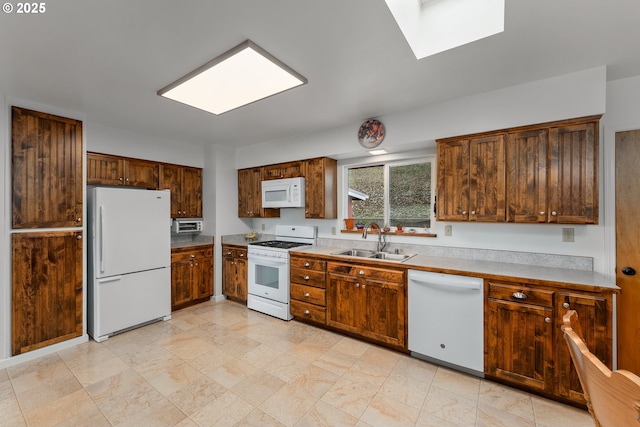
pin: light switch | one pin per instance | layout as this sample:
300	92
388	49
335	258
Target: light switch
568	235
448	230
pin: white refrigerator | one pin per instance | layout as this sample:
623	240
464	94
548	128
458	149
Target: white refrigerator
129	259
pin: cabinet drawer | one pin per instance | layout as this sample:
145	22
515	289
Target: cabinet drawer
308	263
523	294
308	294
308	277
234	253
312	312
382	274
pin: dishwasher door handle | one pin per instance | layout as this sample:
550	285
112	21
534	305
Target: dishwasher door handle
456	286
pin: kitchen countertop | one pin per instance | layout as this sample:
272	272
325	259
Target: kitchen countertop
240	240
196	240
497	270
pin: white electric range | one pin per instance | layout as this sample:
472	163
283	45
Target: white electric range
268	275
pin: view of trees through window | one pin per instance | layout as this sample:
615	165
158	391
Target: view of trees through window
408	192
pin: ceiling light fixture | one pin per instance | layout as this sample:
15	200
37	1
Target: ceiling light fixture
242	75
377	152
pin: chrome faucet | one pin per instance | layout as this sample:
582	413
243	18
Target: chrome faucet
382	240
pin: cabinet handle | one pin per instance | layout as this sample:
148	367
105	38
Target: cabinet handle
307	295
566	305
547	320
519	295
361	272
306	277
306	264
307	312
541	212
473	212
554	213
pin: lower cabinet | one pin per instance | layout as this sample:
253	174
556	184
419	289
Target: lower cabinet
367	301
308	289
46	289
191	275
524	344
234	272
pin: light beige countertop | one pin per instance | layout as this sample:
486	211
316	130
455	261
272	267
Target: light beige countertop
240	240
189	241
495	270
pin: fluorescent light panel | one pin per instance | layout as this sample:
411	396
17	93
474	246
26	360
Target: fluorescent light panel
378	152
240	76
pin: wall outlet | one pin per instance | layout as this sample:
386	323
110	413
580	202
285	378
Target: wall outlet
448	230
568	235
333	231
264	227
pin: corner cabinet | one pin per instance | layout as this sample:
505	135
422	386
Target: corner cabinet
368	301
546	173
191	275
234	273
185	185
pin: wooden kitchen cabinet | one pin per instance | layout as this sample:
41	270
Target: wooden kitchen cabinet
46	159
234	273
250	195
47	306
368	301
546	173
519	335
321	188
308	289
105	169
185	185
471	181
283	170
191	275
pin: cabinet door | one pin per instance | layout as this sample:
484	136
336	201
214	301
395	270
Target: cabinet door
249	192
383	312
181	280
192	192
228	275
573	174
46	162
241	278
487	180
203	275
527	176
321	188
171	179
46	289
453	181
519	344
141	173
594	314
103	169
343	300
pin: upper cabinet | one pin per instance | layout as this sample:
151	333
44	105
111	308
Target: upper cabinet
250	195
544	173
321	188
46	161
185	184
283	170
104	169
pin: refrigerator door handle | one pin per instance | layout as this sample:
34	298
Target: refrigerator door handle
110	279
101	233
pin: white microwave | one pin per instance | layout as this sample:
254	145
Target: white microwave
283	193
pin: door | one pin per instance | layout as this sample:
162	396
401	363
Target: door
171	179
192	192
103	169
453	180
141	173
486	184
628	249
343	300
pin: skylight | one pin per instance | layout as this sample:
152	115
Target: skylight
240	76
434	26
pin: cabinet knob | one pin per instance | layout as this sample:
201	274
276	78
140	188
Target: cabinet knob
127	179
361	272
307	295
306	264
306	277
357	285
241	255
79	237
228	253
629	271
79	219
464	212
547	320
307	312
196	263
566	305
473	212
364	285
554	213
193	256
519	295
119	179
542	212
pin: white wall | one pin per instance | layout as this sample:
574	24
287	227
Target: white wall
568	96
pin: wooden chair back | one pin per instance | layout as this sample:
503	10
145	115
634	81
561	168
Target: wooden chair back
613	398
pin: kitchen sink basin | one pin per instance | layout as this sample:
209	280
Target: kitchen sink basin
363	253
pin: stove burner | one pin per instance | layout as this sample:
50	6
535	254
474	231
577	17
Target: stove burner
279	244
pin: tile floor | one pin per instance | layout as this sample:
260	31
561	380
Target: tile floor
219	364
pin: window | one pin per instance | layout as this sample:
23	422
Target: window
390	193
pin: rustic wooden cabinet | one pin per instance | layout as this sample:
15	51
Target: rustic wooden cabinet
250	195
185	185
308	289
284	170
191	275
46	161
105	169
367	301
46	289
234	272
321	188
519	335
546	173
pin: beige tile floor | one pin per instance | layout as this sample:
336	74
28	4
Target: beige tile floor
219	364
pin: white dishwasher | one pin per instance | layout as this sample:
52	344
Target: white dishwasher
446	320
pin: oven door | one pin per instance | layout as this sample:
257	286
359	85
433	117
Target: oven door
269	278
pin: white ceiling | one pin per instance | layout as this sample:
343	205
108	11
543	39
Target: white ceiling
108	58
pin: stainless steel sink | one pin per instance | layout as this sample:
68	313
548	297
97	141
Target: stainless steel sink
356	252
363	253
